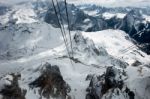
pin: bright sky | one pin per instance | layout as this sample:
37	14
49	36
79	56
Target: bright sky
138	3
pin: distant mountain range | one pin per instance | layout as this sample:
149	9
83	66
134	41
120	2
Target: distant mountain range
133	23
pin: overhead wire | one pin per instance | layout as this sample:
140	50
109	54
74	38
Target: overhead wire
61	21
61	24
69	26
127	49
63	35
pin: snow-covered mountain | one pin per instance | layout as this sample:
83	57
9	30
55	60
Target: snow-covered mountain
133	21
105	61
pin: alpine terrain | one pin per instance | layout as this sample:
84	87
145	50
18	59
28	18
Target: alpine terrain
58	49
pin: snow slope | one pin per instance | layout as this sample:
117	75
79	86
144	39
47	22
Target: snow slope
24	16
110	15
115	42
75	75
28	39
27	45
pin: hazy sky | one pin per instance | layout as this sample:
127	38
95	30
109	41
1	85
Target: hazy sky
139	3
12	1
114	2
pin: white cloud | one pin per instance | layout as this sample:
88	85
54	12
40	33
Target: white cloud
138	3
112	3
11	2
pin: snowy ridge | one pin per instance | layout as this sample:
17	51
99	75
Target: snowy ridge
28	39
27	43
76	74
24	16
119	40
110	15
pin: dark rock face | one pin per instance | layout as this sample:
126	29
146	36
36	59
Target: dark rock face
145	48
78	19
136	63
130	93
51	83
4	9
139	31
113	22
130	20
111	80
143	34
133	25
13	91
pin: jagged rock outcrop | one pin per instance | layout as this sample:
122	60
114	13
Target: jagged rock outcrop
78	19
145	48
113	22
132	23
138	30
143	33
130	20
109	86
11	89
51	83
85	47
